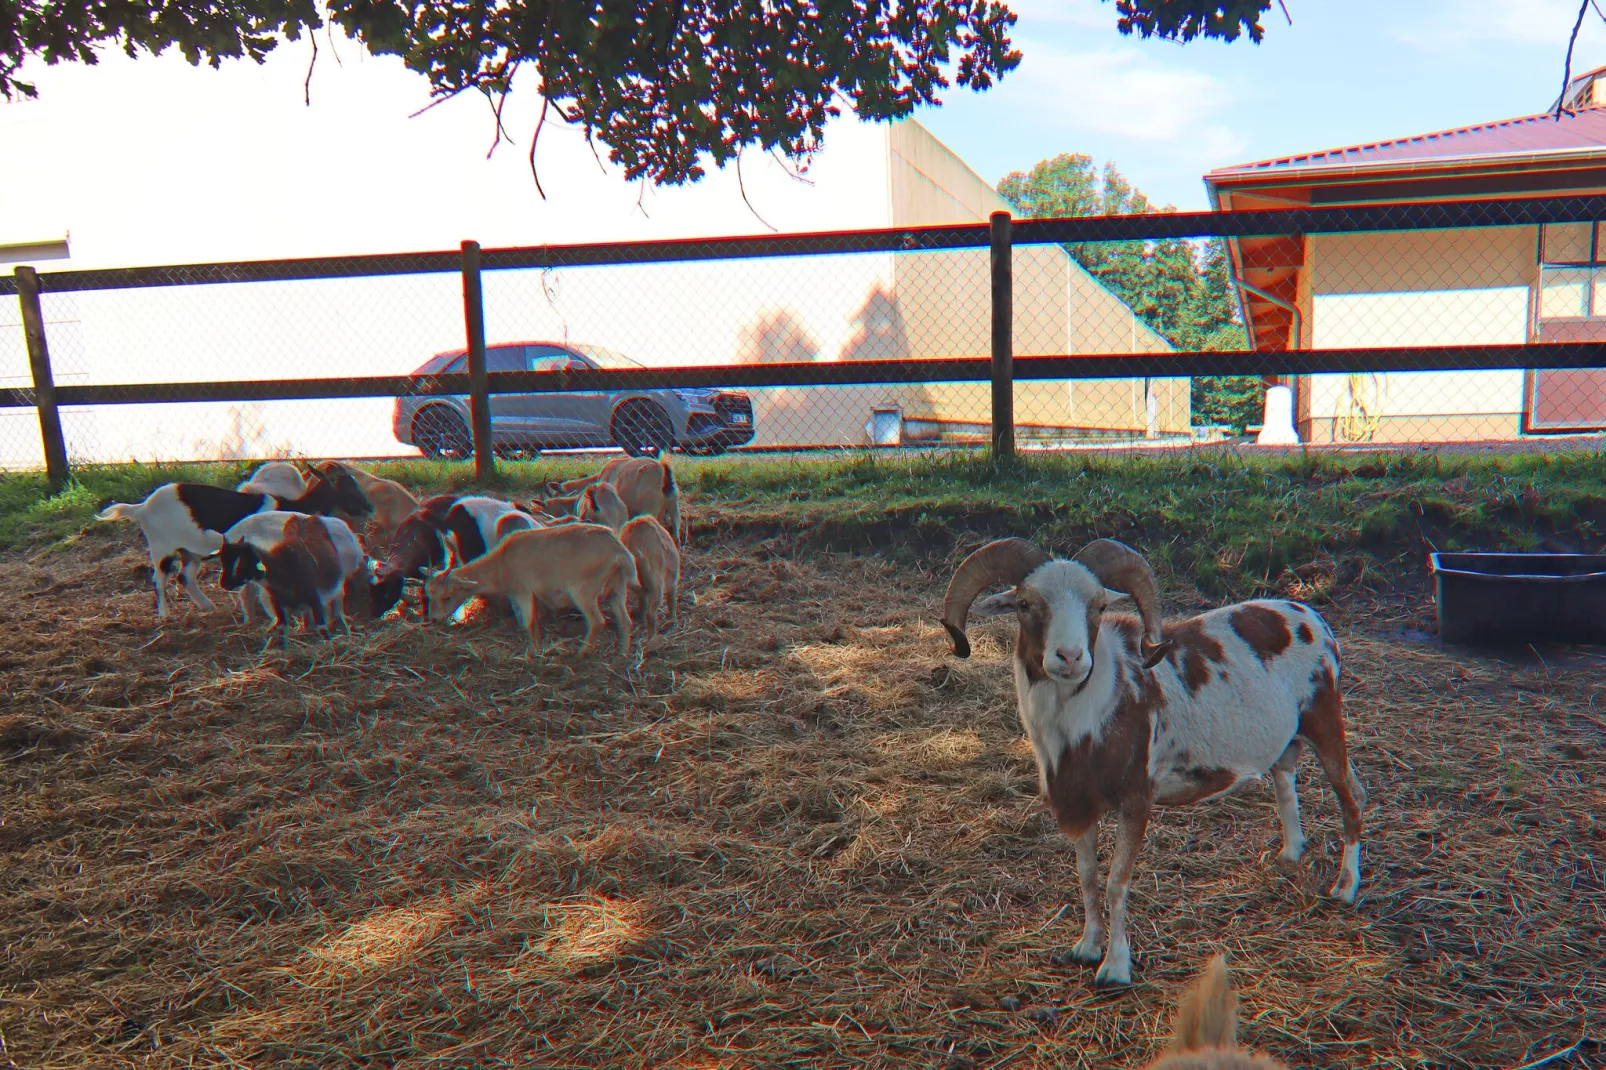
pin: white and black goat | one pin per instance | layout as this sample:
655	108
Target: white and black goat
183	523
282	479
303	562
1126	714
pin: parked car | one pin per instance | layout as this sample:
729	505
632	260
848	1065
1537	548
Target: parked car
642	422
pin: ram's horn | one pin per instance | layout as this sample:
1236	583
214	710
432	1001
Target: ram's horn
1121	568
1001	561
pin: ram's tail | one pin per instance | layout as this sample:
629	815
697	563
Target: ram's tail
121	511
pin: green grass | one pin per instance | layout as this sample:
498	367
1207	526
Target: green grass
1232	526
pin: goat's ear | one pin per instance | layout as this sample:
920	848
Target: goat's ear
466	584
1115	598
996	605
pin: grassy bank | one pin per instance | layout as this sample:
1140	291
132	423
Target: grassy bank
1230	524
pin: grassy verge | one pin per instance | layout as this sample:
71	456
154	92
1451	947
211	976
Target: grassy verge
1227	523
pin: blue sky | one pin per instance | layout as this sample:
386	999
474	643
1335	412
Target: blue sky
1345	71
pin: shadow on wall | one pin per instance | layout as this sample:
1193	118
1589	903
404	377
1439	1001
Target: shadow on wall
828	415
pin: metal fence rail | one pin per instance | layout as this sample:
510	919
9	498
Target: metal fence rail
1390	323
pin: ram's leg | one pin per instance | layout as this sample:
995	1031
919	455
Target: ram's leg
1283	783
1116	969
187	572
1321	724
1090	949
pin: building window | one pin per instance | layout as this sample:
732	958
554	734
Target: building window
1571	308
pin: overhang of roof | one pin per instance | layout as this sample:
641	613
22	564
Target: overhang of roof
1535	155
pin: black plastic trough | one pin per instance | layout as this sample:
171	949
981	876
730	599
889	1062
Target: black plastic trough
1520	598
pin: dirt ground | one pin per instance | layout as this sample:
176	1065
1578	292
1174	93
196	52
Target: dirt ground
801	835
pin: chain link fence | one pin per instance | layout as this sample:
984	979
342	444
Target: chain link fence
1381	326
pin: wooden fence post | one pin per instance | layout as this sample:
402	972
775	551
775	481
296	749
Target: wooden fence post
44	384
1003	340
479	396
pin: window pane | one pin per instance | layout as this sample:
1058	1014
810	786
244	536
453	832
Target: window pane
505	359
1562	292
1566	243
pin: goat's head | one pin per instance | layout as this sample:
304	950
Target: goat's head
343	493
1059	603
445	593
240	564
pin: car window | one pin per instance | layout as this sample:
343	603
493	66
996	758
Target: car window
555	362
456	367
505	359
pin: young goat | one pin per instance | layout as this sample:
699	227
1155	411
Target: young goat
657	567
392	502
581	562
471	526
184	523
601	504
1125	714
302	561
1205	1036
282	479
647	487
416	549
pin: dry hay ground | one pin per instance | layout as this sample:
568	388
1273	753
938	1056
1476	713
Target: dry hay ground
801	836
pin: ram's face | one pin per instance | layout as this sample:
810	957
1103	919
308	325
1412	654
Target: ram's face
1059	607
240	565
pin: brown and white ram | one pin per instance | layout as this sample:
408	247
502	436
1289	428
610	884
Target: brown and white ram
1126	714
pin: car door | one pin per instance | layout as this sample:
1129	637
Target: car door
564	417
512	415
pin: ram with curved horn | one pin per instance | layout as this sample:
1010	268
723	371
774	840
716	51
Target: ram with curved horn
1127	713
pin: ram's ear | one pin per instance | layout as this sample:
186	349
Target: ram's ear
996	605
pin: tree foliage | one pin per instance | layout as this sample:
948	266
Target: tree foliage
1180	288
662	84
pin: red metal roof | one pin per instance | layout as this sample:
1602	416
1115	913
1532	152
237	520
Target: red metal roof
1579	133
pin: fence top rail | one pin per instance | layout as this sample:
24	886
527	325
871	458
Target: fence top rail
1154	226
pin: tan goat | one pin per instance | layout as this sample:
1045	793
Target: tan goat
581	562
601	504
1206	1031
392	502
646	486
657	566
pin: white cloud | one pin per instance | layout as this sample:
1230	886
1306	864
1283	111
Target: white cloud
1129	93
1445	25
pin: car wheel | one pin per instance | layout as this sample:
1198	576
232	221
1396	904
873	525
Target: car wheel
706	449
641	429
440	433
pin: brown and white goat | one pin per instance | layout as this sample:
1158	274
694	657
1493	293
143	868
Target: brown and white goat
303	562
1126	714
584	563
392	502
657	566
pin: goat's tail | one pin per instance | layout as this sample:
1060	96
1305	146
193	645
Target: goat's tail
1207	1017
121	511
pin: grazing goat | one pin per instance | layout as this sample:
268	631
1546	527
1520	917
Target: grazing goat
184	523
646	486
282	479
471	526
302	561
392	502
581	562
657	567
415	550
1205	1036
1127	714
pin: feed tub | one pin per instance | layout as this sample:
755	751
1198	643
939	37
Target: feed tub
1520	598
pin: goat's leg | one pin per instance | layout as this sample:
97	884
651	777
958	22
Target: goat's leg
1116	969
160	579
1322	726
672	596
1282	781
1090	949
595	621
187	573
617	602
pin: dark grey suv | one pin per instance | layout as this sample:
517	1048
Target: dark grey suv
640	422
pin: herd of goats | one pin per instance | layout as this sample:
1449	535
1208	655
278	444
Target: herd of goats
1124	711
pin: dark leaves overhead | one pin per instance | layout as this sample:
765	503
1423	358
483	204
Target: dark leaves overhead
1183	20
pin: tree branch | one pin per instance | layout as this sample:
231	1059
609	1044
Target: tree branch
536	140
743	187
1567	69
306	86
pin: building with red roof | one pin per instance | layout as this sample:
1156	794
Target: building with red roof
1490	285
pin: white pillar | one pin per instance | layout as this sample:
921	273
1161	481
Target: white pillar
1277	429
